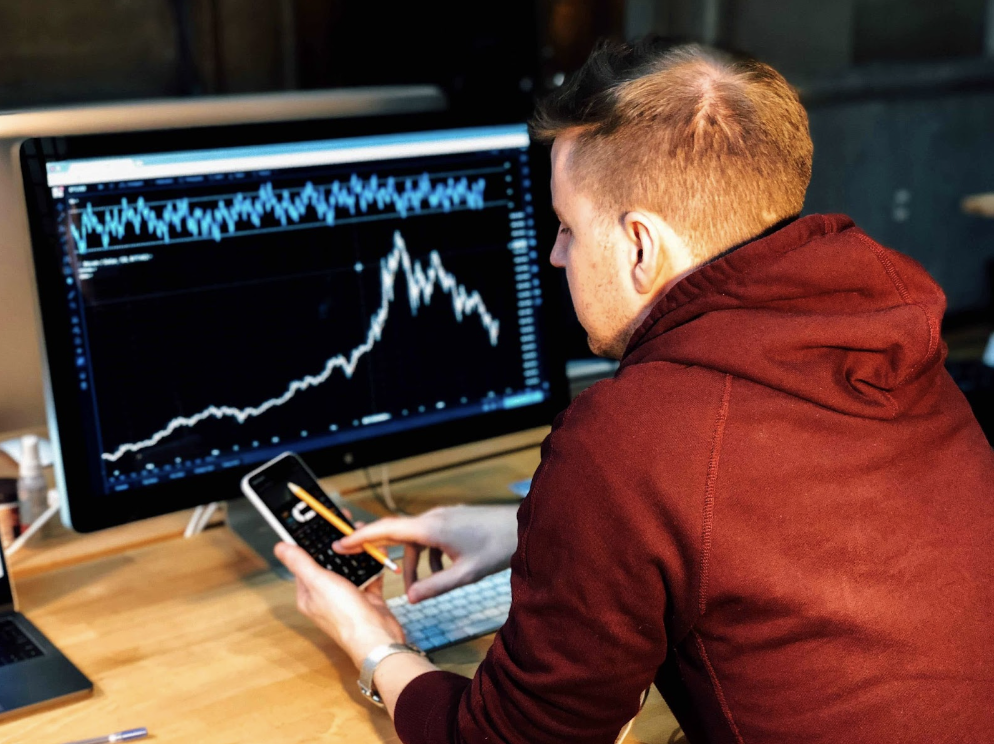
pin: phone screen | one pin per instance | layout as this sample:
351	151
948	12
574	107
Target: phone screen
307	528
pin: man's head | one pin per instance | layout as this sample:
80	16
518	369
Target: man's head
663	158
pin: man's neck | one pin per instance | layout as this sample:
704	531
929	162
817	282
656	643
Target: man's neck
637	321
767	232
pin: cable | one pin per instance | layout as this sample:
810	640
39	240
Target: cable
385	497
51	511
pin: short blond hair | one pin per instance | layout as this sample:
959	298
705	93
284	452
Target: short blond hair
719	147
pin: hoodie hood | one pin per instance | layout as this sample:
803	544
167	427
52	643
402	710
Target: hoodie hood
816	309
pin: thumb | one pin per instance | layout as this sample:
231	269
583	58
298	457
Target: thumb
375	588
437	583
299	562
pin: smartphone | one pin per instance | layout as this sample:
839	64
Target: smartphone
295	522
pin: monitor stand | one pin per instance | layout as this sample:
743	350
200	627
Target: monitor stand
246	522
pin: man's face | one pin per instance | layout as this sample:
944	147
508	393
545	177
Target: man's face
595	271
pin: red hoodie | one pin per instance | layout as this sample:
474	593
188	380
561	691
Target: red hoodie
781	510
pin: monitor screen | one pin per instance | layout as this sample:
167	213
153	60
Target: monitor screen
355	298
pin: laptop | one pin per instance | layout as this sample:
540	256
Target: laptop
33	672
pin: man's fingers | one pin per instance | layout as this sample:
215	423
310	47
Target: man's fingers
349	549
303	598
375	588
412	553
299	562
437	583
391	530
435	560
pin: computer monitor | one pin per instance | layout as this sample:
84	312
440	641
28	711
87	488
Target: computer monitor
357	290
22	400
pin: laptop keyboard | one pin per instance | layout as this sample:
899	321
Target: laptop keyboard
15	645
460	615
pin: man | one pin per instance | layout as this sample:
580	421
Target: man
780	508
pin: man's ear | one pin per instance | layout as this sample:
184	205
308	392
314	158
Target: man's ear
648	257
658	256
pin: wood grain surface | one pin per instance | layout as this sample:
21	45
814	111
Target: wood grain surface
199	642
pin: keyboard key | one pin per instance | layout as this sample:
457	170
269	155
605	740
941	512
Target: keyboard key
15	645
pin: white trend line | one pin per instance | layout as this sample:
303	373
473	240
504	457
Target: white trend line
421	285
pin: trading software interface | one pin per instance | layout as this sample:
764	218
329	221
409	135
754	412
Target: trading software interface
230	304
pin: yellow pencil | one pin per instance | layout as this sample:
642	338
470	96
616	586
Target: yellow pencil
340	524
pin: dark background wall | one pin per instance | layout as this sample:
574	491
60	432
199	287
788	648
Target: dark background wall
61	51
901	168
900	95
900	92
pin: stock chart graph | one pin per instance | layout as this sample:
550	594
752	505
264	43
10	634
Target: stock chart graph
226	316
421	284
145	223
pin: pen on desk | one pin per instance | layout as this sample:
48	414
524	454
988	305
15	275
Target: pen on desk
340	524
129	735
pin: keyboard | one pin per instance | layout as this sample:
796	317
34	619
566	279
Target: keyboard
14	644
468	612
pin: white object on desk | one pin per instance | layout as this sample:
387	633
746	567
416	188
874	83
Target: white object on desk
35	526
13	448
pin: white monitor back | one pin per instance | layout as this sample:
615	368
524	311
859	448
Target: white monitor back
22	402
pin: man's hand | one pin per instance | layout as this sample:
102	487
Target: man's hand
479	540
357	620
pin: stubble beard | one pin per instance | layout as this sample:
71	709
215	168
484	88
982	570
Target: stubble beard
614	348
609	349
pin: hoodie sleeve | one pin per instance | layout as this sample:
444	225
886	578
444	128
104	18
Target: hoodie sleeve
585	633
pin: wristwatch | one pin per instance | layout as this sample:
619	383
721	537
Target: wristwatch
373	660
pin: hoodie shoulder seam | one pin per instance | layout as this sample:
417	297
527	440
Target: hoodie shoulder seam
902	290
710	487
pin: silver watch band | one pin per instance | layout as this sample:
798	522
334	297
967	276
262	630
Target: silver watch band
373	660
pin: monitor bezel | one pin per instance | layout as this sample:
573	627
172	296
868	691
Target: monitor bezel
86	512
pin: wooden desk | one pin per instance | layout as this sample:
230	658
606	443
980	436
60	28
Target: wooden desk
197	641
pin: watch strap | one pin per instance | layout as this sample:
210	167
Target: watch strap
372	661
